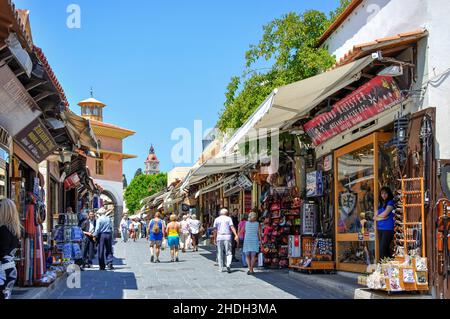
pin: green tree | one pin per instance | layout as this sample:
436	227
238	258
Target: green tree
342	6
289	46
143	186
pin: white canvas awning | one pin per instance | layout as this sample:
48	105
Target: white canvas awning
216	165
216	185
288	103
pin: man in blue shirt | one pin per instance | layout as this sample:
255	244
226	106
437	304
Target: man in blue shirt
103	236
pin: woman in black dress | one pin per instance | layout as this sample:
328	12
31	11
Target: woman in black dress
10	229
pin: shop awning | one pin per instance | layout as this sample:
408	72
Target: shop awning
216	185
80	130
151	198
288	103
216	165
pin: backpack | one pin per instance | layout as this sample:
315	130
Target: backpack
155	228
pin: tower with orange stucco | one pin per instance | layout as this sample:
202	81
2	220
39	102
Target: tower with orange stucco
107	167
151	163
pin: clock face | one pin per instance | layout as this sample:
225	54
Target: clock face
153	165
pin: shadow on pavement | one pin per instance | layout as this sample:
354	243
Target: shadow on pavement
97	284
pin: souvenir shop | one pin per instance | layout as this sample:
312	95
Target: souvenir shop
27	192
345	171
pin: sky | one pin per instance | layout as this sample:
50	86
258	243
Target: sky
158	65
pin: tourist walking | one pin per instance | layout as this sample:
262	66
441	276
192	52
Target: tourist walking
224	229
194	225
252	240
88	228
103	236
124	225
10	229
241	234
156	232
173	237
136	229
185	233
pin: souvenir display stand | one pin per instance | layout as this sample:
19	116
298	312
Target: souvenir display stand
68	239
280	221
408	271
316	249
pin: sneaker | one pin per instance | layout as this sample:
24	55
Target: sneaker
157	260
111	267
152	259
177	260
229	270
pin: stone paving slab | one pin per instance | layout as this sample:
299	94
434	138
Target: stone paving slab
194	277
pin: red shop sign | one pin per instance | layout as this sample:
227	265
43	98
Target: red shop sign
377	95
72	181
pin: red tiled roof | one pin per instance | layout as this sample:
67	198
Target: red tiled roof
362	49
339	20
51	74
12	18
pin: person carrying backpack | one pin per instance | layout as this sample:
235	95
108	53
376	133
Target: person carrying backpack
156	232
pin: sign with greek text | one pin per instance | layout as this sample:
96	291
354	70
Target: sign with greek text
374	97
36	140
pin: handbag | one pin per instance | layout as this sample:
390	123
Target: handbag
260	260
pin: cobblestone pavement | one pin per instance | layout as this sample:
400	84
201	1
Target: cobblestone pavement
194	277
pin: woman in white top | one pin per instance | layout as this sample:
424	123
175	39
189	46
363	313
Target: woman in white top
124	227
194	225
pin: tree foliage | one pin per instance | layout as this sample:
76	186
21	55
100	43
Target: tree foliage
143	186
289	46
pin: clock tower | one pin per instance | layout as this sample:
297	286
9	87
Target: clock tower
152	163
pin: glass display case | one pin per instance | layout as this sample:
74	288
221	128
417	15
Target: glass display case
357	180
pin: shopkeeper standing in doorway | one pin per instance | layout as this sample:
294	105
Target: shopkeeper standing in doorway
385	222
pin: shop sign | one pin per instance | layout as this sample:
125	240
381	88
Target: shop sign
328	163
248	201
374	97
36	140
18	109
72	181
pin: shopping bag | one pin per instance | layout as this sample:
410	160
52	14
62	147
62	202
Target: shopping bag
164	244
260	260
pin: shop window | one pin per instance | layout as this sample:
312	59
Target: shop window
99	165
362	168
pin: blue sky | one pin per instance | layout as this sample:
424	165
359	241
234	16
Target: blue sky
158	65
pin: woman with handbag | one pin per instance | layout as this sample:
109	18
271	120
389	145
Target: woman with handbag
10	230
252	241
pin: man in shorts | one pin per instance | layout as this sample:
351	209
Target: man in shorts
156	233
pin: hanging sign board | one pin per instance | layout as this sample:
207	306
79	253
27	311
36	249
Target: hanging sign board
72	181
18	109
36	140
377	95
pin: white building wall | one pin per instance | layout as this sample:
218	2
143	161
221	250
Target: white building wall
375	19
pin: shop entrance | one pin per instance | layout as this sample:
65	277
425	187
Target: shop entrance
360	172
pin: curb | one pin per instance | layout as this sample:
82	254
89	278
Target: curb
366	293
332	284
44	292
